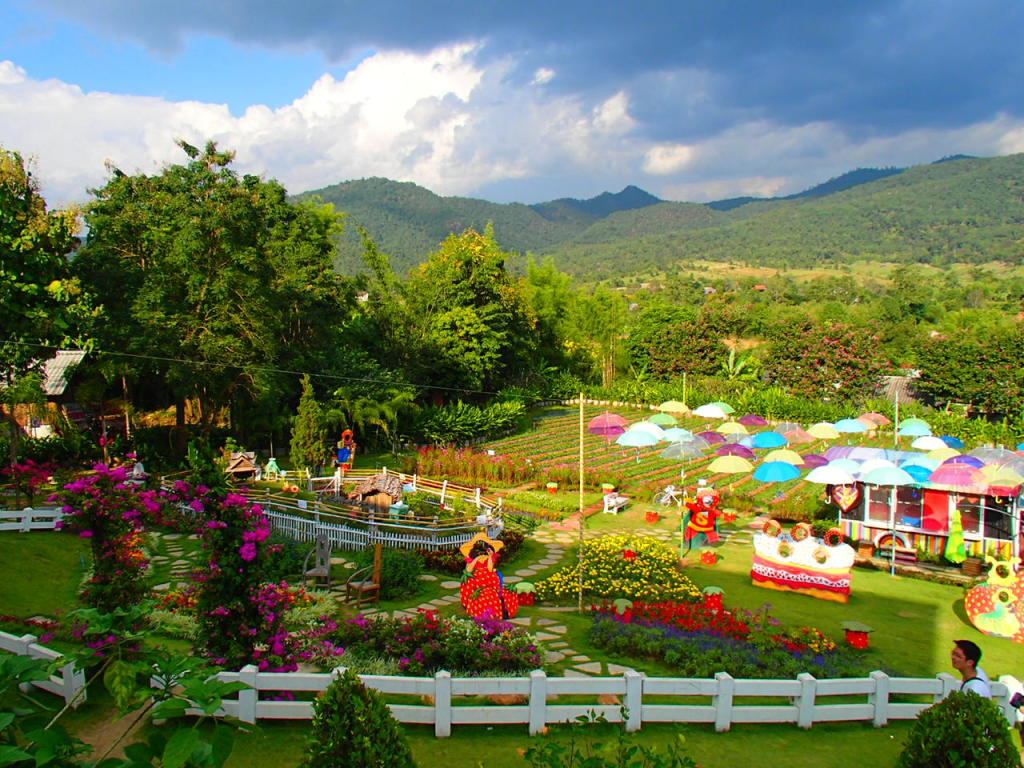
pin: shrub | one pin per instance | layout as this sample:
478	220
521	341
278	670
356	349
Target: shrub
633	567
964	729
289	557
353	726
400	571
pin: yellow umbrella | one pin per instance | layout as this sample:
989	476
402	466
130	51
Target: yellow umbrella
941	454
732	428
786	455
730	465
1002	476
823	431
673	406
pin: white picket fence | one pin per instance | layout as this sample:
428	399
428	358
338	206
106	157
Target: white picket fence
29	519
69	684
722	700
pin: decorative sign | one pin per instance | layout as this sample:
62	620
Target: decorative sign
846	496
996	607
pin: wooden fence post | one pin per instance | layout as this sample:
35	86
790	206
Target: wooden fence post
880	698
23	650
805	705
634	699
26	517
722	701
249	697
538	701
444	489
443	704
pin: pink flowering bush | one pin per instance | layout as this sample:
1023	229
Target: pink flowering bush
106	508
28	476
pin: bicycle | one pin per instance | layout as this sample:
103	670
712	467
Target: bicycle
669	495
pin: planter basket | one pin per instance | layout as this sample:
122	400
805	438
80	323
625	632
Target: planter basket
653	517
552	488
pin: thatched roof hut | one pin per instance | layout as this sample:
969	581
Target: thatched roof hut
242	464
380	490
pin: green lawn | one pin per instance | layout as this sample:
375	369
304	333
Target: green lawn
42	571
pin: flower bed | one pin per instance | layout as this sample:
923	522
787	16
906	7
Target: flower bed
428	642
700	640
632	567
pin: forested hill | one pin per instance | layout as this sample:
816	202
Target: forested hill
408	222
961	210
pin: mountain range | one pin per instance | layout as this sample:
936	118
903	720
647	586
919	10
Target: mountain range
957	209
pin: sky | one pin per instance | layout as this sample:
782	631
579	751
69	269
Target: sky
691	100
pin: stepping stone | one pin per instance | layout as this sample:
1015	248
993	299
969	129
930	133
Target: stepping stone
559	644
451	584
580	658
560	608
558	629
428	577
193	537
439	602
616	669
546	622
574	673
553	657
171	536
161	587
350	566
545	636
592	667
158	559
513	579
522	621
338	561
450	599
526	572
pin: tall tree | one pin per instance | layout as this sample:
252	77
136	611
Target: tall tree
216	275
309	436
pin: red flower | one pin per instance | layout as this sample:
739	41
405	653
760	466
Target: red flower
628	554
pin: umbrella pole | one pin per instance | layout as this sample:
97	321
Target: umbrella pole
896	423
892	531
580	549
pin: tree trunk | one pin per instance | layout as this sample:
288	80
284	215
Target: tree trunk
179	425
15	432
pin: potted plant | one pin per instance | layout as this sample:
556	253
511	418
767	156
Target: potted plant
552	488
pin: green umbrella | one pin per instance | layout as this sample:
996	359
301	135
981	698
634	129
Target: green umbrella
955	550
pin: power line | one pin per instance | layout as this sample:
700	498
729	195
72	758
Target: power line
259	368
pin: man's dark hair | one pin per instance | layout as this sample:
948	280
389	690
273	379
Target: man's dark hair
971	650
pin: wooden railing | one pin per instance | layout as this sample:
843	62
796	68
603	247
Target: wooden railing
69	684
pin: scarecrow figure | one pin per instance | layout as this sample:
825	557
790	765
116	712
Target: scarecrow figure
346	451
700	524
483	593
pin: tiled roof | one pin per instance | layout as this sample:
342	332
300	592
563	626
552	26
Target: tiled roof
58	369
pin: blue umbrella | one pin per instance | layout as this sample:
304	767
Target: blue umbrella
952	442
768	440
888	476
914	430
850	425
1020	446
776	472
636	438
916	471
973	461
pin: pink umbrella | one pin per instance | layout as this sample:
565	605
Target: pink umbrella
875	418
959	477
607	425
734	449
752	420
713	438
798	436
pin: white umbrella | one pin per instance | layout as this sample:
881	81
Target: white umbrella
710	411
928	443
650	428
829	475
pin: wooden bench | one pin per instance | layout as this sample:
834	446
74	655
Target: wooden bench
903	555
615	503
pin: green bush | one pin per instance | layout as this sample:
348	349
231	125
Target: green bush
289	558
400	571
353	726
962	730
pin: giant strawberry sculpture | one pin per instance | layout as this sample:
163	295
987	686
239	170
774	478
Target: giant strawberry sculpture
996	607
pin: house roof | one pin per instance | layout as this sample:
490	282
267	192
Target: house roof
58	369
389	484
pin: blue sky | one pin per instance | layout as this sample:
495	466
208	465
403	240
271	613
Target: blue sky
519	101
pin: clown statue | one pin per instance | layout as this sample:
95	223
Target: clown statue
700	524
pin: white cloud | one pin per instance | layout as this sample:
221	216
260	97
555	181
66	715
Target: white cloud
664	159
612	116
543	75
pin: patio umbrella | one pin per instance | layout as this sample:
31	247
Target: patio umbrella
652	429
928	443
849	426
798	436
607	425
829	475
753	420
731	428
673	406
888	476
636	438
663	420
689	449
724	406
734	449
713	438
872	464
674	434
875	418
813	460
823	431
710	411
952	442
786	455
941	454
918	472
730	465
785	426
776	472
768	440
914	430
959	477
971	461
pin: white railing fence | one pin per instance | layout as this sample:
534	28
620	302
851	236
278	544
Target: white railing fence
69	684
723	700
30	519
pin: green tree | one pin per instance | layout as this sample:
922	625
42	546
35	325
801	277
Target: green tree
309	436
353	726
216	275
985	372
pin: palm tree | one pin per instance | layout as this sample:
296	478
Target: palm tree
360	412
745	369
